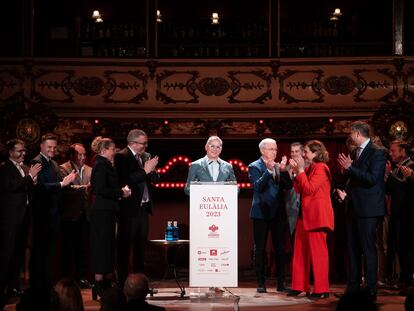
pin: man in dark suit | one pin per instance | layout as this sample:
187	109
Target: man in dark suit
269	180
365	168
210	168
16	183
400	240
75	216
46	206
136	169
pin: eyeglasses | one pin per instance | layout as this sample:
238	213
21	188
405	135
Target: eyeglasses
139	143
214	146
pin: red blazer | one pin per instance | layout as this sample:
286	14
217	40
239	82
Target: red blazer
314	187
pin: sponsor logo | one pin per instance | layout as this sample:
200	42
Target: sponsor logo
202	259
225	258
201	252
217	270
225	264
224	252
213	265
213	228
201	264
213	252
212	234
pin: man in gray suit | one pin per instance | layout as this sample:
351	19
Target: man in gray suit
210	168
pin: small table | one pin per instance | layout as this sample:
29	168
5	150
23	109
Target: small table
167	245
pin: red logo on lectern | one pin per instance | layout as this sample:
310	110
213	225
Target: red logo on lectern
213	228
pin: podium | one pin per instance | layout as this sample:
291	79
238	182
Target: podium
213	234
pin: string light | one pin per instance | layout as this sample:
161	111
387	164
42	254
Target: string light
186	160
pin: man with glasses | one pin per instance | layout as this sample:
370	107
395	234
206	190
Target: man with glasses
135	168
210	168
269	180
16	183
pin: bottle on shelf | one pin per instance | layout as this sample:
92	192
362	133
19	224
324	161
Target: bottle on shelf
169	231
175	231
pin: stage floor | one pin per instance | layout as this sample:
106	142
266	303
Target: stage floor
168	296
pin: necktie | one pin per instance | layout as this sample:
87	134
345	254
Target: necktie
358	153
19	167
145	194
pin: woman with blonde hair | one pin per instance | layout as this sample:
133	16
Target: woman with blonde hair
315	219
106	195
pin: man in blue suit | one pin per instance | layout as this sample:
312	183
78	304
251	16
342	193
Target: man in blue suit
210	168
366	205
269	179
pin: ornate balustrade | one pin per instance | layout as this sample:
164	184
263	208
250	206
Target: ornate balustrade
193	97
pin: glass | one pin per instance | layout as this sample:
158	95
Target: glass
139	143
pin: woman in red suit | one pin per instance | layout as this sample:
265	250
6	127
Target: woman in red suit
315	220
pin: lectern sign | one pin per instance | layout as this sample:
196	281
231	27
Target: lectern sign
213	235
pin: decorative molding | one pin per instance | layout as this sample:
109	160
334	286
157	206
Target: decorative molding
308	80
394	121
260	88
26	121
169	82
121	89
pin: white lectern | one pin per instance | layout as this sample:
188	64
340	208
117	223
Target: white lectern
213	234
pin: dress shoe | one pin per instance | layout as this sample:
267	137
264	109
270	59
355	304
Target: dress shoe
406	291
293	293
261	289
15	292
281	287
319	295
371	292
84	284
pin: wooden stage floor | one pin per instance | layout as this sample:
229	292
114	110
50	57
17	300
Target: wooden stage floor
168	296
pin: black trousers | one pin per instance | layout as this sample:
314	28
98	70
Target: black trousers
277	228
400	242
12	246
75	246
362	241
132	236
45	233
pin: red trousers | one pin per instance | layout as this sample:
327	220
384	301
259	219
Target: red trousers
310	248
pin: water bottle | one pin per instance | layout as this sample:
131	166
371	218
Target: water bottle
175	231
169	231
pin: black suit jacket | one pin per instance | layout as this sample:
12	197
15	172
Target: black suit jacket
400	190
15	191
366	187
132	174
46	197
105	188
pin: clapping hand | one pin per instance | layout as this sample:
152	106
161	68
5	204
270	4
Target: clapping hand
151	164
270	164
344	161
68	179
406	171
282	164
35	169
294	166
126	192
388	167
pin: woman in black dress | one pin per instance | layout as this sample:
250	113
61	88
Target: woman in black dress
107	194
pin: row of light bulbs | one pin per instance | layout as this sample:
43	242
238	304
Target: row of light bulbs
215	19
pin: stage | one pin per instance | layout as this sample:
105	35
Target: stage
168	296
